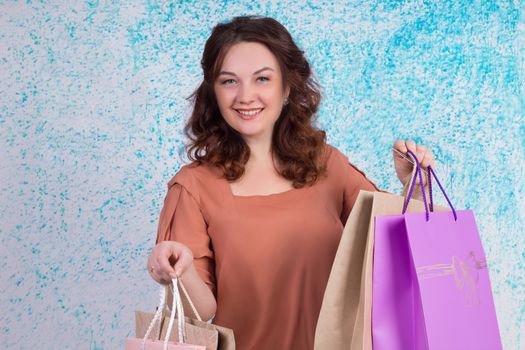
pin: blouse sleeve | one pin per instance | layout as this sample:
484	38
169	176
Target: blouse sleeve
356	180
181	220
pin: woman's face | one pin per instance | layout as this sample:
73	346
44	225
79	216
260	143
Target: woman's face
249	90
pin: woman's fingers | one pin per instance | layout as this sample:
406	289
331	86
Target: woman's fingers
423	154
428	160
420	152
400	146
153	269
183	262
411	146
162	258
167	251
404	165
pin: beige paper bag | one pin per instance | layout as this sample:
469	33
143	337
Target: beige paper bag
197	332
345	320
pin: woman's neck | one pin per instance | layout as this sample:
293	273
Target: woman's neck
260	154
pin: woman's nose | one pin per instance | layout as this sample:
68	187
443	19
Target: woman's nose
246	94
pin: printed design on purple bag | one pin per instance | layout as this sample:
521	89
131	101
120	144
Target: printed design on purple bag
465	274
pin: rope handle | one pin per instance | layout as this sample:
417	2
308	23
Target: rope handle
157	317
431	174
411	189
193	308
178	309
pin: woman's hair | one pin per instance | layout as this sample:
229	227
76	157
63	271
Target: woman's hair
297	144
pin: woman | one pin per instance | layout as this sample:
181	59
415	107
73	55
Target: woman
253	224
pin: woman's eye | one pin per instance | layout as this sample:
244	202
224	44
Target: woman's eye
264	78
226	82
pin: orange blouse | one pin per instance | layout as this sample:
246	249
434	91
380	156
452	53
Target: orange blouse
267	258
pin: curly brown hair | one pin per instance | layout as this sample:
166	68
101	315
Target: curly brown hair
296	143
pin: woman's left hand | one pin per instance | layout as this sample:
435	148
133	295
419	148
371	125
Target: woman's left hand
403	166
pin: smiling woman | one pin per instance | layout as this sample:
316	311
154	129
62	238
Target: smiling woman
250	98
249	64
253	223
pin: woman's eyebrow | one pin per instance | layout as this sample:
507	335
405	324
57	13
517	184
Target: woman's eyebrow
256	72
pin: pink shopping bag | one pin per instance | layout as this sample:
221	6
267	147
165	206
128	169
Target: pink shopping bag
431	287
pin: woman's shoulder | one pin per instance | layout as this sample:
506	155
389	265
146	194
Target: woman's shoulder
194	175
340	165
337	161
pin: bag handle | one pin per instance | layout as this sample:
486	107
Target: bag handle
430	174
413	182
413	175
157	316
177	308
193	308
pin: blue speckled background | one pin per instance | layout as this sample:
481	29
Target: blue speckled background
92	103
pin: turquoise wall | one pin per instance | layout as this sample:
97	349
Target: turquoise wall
92	103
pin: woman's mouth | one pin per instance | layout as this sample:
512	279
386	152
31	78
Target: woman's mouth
248	114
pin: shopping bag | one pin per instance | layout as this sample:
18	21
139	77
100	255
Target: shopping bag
136	344
146	343
345	319
197	331
431	287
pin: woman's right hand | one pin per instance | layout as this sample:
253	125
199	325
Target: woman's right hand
163	256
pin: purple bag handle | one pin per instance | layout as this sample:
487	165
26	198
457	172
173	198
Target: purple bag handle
411	190
430	174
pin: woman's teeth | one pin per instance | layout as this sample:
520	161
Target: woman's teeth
254	112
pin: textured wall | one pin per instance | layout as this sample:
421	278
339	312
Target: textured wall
92	102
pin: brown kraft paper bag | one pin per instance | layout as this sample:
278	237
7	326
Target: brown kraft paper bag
345	319
197	332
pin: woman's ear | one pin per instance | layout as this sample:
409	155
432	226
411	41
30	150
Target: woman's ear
287	92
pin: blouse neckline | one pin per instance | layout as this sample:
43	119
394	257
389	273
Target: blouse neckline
229	192
258	196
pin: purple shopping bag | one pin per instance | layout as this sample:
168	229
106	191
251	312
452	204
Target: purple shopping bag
431	287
